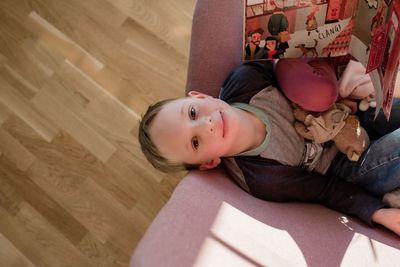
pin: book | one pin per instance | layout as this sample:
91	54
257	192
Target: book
368	30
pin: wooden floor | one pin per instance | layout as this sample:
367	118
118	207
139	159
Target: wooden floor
75	76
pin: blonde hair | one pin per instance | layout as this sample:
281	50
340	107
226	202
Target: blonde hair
150	151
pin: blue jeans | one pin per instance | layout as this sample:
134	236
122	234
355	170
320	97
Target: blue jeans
378	169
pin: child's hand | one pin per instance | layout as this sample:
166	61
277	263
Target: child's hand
390	218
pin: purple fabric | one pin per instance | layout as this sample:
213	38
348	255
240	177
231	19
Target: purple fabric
216	45
193	215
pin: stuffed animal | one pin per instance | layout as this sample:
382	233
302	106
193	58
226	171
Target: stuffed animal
355	84
335	124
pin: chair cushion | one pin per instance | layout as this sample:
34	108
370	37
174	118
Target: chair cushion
210	221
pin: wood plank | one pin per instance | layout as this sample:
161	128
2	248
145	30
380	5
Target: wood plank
71	94
89	100
92	9
92	206
45	58
154	50
140	177
12	37
100	42
54	38
18	82
69	122
65	163
72	78
122	89
186	6
15	152
89	65
4	113
103	111
3	59
119	79
11	256
16	9
66	181
96	251
161	77
46	206
27	50
83	194
13	32
24	109
34	237
114	77
161	19
10	200
88	27
86	201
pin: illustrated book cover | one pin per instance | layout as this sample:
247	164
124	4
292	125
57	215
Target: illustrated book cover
368	30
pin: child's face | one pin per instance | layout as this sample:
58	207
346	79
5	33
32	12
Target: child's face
198	129
271	44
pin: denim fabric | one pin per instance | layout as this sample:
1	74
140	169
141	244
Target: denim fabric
378	169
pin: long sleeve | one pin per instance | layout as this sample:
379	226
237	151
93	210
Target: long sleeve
272	181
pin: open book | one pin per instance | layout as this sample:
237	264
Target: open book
368	30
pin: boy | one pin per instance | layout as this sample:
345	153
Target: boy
250	128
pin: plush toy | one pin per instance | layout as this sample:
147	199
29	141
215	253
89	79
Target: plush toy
355	84
335	124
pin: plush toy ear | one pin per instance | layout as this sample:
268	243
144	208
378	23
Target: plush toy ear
300	114
303	131
353	155
352	122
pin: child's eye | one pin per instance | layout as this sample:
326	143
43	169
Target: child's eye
195	143
192	113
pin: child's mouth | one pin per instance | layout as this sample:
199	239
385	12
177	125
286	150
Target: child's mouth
223	124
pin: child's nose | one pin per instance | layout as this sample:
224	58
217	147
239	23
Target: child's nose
205	125
209	124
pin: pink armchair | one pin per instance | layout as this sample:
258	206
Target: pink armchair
210	221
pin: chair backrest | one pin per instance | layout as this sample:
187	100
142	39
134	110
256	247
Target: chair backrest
216	44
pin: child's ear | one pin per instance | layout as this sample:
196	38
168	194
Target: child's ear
209	164
197	94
